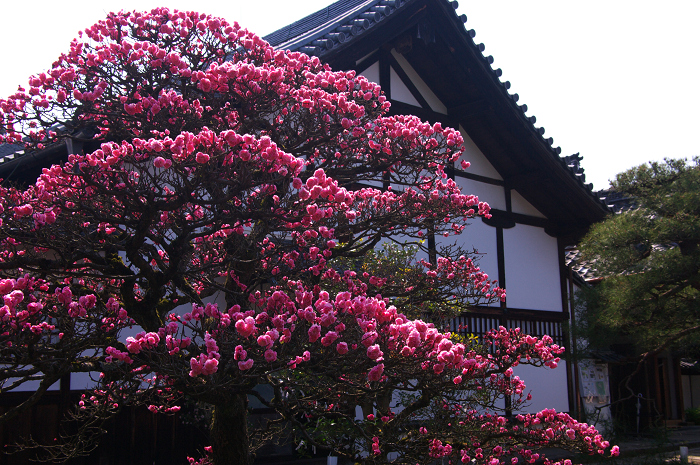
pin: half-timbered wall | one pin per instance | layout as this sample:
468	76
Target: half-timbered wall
516	250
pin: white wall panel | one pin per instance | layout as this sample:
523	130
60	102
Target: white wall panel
492	194
532	269
31	386
548	387
481	237
81	381
372	73
479	163
399	91
520	205
422	87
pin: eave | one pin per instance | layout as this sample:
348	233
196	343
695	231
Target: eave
433	39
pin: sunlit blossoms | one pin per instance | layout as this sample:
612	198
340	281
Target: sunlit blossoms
213	236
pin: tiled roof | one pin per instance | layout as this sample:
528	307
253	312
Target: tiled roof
332	25
608	356
319	33
618	202
9	152
690	367
584	270
9	149
573	162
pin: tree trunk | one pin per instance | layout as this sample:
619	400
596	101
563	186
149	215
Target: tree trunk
229	432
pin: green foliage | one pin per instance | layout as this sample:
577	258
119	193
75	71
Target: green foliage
648	259
693	415
406	285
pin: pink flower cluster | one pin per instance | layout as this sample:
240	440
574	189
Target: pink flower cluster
142	341
22	311
240	176
208	363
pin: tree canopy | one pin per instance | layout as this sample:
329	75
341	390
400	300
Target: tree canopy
648	259
230	188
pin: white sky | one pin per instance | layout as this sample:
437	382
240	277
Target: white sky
614	80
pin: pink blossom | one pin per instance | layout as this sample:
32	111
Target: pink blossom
245	327
246	365
205	85
413	339
329	338
23	210
375	446
375	374
270	355
407	351
374	352
240	353
314	332
210	366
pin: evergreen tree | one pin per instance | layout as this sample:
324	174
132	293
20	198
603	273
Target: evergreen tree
648	260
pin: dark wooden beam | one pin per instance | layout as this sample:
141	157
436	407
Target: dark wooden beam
478	177
407	82
524	180
362	66
469	110
515	313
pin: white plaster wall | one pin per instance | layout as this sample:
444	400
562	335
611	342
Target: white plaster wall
31	386
399	91
532	269
520	205
548	387
434	102
492	194
372	72
481	237
80	381
479	163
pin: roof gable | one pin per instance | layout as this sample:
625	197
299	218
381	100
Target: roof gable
427	40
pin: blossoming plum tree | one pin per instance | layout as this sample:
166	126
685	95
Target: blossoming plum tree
234	180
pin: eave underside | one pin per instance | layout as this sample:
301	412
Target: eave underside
434	42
